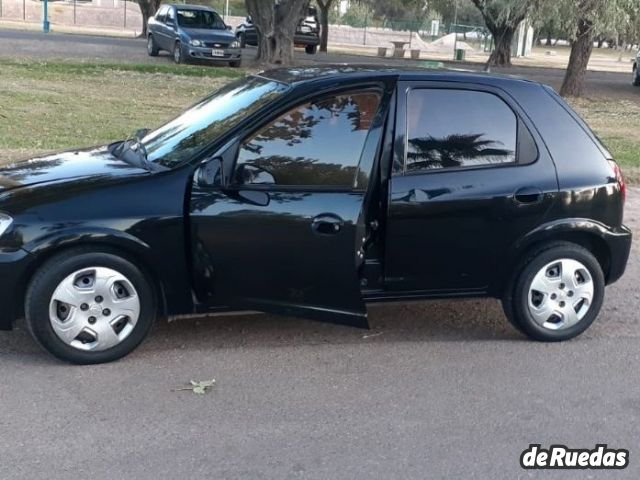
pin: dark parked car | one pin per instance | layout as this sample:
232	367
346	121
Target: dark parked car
636	73
192	32
312	192
307	32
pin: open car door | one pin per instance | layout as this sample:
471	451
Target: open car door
287	231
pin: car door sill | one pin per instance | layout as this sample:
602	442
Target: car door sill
379	296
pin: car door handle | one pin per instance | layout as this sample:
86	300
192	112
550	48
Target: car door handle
327	224
528	196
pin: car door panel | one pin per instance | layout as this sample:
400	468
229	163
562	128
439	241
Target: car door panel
272	258
450	230
298	250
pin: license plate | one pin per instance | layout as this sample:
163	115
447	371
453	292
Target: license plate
305	29
217	53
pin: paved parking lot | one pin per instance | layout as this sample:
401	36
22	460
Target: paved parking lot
435	390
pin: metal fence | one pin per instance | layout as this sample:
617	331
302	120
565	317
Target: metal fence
93	14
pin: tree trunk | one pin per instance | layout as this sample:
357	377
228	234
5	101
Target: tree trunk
148	9
324	7
573	84
503	38
549	39
276	28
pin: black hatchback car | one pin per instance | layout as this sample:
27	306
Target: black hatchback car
312	192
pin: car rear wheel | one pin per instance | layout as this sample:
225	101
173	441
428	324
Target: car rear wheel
89	307
557	293
177	53
311	49
235	64
152	48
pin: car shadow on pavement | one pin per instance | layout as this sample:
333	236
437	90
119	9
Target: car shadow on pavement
460	320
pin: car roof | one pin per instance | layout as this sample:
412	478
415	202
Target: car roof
306	74
187	6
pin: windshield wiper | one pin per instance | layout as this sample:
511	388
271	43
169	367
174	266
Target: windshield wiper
134	152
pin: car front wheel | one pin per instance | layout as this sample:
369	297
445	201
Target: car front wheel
177	53
89	307
311	49
557	293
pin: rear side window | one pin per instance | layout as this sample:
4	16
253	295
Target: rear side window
448	128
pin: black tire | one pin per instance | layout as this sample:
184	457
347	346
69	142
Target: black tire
515	301
242	40
53	272
311	49
636	77
152	48
177	53
235	64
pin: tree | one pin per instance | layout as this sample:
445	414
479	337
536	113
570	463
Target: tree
502	18
276	27
324	6
148	8
610	18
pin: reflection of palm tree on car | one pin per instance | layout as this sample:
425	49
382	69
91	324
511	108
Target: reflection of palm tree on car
455	151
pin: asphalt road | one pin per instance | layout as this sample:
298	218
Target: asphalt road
36	45
435	390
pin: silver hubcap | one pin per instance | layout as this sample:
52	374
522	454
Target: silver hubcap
176	53
560	294
150	45
94	309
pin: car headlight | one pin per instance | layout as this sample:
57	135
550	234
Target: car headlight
196	43
5	223
235	44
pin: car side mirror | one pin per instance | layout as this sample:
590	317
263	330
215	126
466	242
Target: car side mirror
228	27
247	174
248	20
210	174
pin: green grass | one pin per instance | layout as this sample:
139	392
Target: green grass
58	104
617	123
625	151
54	105
43	70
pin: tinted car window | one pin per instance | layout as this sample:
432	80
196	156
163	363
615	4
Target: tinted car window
187	135
318	143
458	128
200	19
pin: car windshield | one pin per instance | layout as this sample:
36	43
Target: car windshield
194	130
200	19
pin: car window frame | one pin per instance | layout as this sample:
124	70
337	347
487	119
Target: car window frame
524	127
161	16
377	124
172	11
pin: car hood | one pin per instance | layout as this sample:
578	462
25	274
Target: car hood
92	162
209	35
